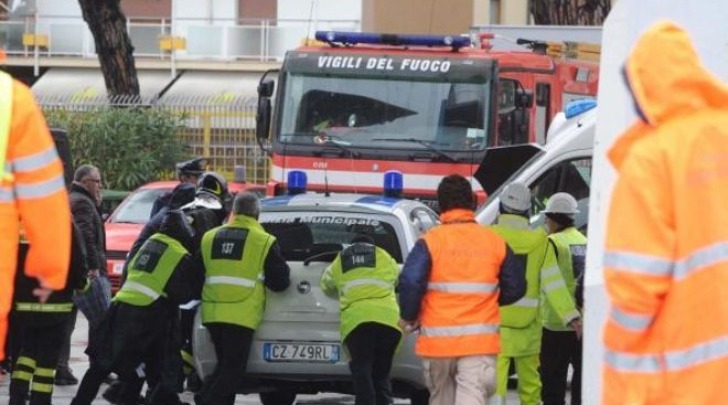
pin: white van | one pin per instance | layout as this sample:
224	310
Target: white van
564	164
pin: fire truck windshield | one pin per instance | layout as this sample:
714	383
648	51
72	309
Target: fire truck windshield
447	111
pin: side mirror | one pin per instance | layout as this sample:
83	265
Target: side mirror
265	88
524	99
262	119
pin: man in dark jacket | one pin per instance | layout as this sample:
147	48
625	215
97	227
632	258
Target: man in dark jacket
42	326
85	197
142	325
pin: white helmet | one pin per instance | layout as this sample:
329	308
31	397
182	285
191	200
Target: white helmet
561	203
516	197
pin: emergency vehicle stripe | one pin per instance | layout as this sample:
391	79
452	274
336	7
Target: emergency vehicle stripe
6	194
704	257
670	361
638	263
463	287
554	285
244	282
41	189
526	303
134	286
461	330
365	282
34	161
39	387
634	322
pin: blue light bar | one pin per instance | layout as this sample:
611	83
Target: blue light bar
578	107
393	183
297	182
351	38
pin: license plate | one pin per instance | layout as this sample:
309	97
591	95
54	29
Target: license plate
118	268
302	352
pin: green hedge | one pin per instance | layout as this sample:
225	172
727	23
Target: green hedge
131	146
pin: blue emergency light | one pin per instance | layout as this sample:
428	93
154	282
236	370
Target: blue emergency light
297	182
578	107
352	38
393	183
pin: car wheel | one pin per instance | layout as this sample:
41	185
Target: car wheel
419	397
277	398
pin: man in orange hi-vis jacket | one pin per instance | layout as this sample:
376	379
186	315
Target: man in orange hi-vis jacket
32	191
666	258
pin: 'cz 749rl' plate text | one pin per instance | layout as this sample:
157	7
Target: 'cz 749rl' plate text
302	352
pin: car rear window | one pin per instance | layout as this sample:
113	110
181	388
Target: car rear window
137	207
319	236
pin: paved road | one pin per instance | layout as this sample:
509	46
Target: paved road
79	364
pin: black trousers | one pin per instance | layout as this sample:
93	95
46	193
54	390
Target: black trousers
371	347
36	362
558	351
65	349
128	337
232	345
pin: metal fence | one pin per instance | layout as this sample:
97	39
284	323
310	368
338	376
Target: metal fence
221	129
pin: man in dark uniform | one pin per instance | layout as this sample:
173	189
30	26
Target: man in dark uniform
142	325
42	327
187	172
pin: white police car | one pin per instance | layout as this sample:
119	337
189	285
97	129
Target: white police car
297	348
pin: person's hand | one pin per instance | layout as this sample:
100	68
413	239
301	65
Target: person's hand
42	294
93	273
578	327
409	326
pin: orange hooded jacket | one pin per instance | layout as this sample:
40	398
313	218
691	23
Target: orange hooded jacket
35	194
666	258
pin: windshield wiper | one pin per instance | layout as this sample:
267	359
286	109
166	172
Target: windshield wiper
328	139
426	144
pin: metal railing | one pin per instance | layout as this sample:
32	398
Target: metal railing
202	38
221	130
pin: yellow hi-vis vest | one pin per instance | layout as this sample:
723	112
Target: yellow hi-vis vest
234	257
364	277
571	256
150	270
521	327
6	107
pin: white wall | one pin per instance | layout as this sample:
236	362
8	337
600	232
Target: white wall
340	10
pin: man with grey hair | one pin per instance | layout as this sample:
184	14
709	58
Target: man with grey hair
240	259
85	198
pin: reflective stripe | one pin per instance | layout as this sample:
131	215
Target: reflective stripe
631	363
6	194
463	287
243	282
42	189
550	272
134	286
40	387
38	307
473	329
6	109
676	360
634	322
526	303
364	282
35	161
702	353
554	285
638	263
704	257
571	316
21	375
44	372
26	361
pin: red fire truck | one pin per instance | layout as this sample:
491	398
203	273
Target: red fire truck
356	105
